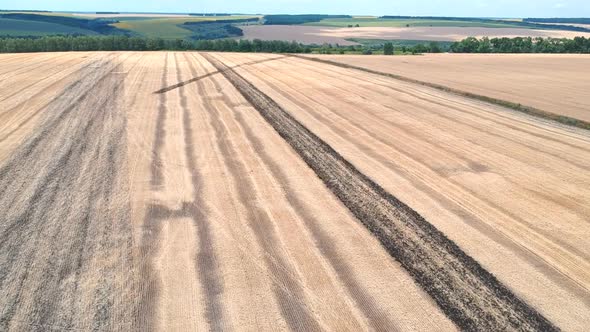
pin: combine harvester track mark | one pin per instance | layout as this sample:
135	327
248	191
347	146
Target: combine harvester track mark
467	293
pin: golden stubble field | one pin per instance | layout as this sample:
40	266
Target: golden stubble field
183	191
556	83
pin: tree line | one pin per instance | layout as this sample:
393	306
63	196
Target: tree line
216	29
568	20
133	43
211	14
388	48
126	43
297	19
213	30
525	23
522	45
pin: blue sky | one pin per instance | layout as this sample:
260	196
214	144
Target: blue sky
479	8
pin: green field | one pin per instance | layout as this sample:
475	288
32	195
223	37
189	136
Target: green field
12	27
167	28
39	13
157	27
365	21
38	24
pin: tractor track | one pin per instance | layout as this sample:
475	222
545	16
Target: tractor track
289	292
64	208
468	294
372	310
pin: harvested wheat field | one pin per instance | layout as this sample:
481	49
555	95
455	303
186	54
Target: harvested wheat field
184	191
320	34
555	83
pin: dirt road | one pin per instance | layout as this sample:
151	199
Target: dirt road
152	191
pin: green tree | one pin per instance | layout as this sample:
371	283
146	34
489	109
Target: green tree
419	48
433	47
484	46
125	43
388	48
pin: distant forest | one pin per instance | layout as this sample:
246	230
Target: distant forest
298	19
210	14
25	11
529	23
212	30
216	29
440	18
580	20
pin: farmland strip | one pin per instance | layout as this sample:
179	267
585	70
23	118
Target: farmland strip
198	78
207	261
160	135
566	120
206	258
29	66
41	92
468	294
40	80
353	121
26	67
372	310
64	236
289	294
365	302
58	110
454	104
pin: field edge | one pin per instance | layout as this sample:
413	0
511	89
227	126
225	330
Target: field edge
562	119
